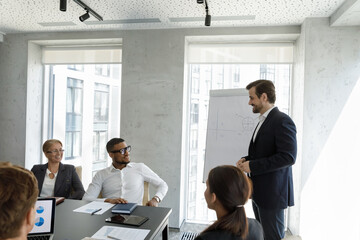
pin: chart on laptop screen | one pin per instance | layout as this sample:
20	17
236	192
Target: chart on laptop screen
43	217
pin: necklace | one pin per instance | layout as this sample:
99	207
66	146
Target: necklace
51	175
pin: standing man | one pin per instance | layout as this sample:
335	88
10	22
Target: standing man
18	195
272	151
123	181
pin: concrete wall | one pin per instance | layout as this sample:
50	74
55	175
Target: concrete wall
34	102
331	133
13	79
152	84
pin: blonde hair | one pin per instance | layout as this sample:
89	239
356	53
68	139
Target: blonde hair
18	194
48	143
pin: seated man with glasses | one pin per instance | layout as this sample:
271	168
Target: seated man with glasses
123	181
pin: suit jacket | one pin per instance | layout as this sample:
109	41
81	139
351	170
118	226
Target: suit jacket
255	233
67	183
271	156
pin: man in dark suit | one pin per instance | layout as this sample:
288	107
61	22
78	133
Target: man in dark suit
272	151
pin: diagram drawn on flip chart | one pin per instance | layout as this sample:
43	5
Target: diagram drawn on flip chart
231	123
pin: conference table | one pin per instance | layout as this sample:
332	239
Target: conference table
70	225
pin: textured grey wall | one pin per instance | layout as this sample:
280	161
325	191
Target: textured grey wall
330	156
13	76
151	111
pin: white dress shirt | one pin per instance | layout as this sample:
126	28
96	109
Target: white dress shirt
261	120
47	189
127	183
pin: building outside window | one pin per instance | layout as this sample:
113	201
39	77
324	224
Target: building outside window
74	112
102	70
101	123
76	67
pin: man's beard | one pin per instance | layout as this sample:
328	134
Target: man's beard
123	162
256	108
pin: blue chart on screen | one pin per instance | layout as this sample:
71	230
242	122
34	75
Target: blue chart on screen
40	209
39	221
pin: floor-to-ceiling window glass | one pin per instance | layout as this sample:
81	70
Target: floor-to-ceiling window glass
82	98
205	75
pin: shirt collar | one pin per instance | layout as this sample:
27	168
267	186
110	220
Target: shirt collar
48	172
112	168
263	116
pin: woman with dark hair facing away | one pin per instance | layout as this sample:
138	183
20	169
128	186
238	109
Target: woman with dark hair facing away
227	190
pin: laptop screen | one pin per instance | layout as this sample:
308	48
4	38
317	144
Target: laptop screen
45	216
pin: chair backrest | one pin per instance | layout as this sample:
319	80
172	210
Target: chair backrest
78	170
146	197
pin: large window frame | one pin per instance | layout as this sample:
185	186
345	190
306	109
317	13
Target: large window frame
98	68
205	79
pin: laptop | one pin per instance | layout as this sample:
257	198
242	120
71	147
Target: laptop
44	219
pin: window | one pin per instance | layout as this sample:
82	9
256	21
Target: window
215	68
102	70
196	80
74	112
194	113
76	67
83	124
101	122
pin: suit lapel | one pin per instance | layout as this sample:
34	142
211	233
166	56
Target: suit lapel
59	178
266	121
42	176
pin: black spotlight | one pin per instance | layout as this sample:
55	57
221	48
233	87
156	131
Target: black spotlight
207	20
84	17
200	1
208	16
63	5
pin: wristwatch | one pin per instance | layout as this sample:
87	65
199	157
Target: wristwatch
157	199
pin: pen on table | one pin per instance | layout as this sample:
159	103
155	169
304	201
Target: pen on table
112	237
95	211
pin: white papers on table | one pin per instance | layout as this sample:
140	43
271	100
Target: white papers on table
93	206
121	233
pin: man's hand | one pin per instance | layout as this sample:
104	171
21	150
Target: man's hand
243	165
115	200
152	203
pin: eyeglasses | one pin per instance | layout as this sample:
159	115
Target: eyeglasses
56	151
123	150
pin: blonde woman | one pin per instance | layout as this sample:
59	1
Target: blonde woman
54	178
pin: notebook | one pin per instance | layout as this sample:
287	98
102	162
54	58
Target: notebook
126	208
44	219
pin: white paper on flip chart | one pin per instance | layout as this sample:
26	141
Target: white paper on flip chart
121	233
92	206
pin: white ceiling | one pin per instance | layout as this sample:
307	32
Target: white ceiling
45	16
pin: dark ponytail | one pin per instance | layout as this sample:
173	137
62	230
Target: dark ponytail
232	188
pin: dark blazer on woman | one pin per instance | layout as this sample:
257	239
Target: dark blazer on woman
67	183
255	233
271	156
